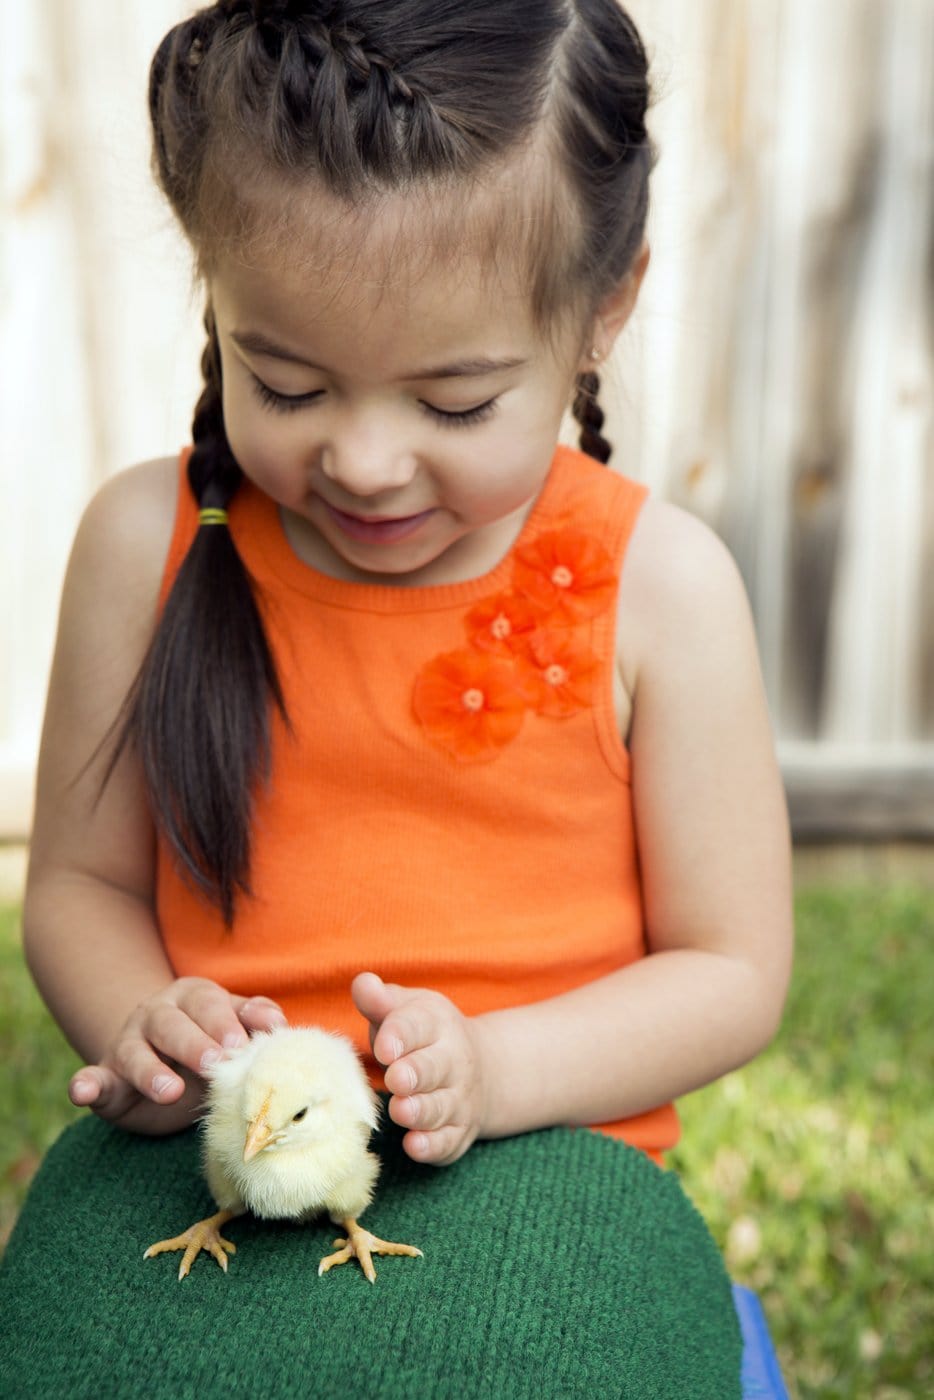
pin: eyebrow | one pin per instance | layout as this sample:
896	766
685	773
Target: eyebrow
256	343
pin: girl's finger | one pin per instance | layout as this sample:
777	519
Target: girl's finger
173	1033
426	1112
372	997
439	1148
422	1071
84	1088
99	1088
136	1061
259	1013
213	1011
410	1027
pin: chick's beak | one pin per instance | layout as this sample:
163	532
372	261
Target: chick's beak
259	1134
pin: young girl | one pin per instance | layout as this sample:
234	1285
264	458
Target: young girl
377	709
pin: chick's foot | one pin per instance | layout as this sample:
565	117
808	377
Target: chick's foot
205	1234
360	1244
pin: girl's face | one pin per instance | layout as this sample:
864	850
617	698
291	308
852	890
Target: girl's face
404	422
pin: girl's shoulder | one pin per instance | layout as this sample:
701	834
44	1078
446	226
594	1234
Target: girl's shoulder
670	548
150	486
117	562
127	526
679	582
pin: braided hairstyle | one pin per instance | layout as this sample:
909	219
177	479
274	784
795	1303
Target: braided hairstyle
251	103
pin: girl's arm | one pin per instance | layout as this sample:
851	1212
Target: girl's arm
90	933
714	852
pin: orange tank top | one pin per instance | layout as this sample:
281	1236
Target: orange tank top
452	808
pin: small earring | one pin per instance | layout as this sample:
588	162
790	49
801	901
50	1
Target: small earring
595	354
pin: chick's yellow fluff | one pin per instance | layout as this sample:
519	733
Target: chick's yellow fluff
288	1122
307	1089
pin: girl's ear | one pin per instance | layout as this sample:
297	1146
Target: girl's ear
615	309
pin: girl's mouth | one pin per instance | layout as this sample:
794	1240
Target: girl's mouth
377	531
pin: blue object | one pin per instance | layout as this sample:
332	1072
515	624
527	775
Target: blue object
761	1377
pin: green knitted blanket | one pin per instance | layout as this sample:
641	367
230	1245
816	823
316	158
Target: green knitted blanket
555	1264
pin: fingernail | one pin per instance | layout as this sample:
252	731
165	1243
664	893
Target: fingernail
232	1039
276	1019
162	1083
396	1048
209	1058
83	1090
419	1144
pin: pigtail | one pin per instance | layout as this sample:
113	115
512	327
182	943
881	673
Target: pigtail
607	146
198	712
588	413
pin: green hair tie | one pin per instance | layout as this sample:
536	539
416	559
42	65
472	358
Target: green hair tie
212	517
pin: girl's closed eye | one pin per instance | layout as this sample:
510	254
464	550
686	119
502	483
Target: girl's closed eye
284	403
461	418
288	403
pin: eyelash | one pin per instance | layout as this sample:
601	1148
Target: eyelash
289	403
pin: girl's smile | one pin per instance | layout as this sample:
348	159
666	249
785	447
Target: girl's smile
404	423
377	529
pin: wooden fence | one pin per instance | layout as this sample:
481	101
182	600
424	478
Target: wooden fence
777	379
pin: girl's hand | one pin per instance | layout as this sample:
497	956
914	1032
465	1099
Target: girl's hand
156	1062
435	1066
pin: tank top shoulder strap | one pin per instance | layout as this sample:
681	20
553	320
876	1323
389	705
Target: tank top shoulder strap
589	499
593	498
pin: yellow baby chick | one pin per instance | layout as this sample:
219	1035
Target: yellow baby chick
288	1122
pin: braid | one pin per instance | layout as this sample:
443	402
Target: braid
173	81
198	711
325	83
213	473
589	415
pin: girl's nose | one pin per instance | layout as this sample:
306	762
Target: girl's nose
368	469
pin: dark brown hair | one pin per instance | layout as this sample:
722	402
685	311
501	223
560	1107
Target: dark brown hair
252	101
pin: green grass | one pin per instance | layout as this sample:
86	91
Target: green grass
813	1166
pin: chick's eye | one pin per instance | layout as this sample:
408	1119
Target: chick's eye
299	1115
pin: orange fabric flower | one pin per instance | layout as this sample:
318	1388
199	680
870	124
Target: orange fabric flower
567	575
470	703
501	624
565	670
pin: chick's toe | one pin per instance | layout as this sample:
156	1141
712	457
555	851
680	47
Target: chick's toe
204	1234
360	1244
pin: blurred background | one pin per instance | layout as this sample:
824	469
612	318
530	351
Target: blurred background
777	380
